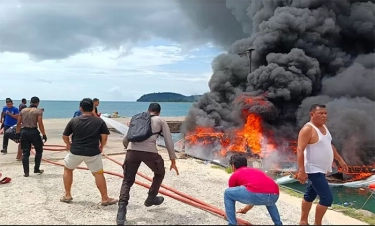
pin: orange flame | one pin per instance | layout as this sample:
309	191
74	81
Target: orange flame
250	136
252	139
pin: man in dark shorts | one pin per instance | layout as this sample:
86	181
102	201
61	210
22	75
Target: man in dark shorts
95	109
146	152
29	120
10	119
315	155
89	136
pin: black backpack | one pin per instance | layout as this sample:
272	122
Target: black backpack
140	127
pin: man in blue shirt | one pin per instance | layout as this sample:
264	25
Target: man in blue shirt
77	113
10	119
2	118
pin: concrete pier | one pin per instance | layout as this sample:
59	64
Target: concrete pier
175	126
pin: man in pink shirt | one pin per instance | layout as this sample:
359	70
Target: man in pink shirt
251	187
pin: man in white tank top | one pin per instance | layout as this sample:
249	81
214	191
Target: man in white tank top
315	154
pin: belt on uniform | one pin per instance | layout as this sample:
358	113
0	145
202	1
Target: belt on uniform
29	128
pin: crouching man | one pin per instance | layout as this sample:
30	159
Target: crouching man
251	187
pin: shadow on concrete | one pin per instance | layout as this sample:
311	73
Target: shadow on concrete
86	203
166	217
46	175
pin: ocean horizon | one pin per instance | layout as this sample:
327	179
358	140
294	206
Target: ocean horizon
66	108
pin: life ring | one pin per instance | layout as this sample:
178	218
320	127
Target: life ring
372	186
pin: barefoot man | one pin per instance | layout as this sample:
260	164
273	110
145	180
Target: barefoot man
315	154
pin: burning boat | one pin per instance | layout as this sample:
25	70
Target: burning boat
353	178
216	144
252	138
259	145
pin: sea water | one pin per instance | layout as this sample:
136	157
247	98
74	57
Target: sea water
66	109
345	195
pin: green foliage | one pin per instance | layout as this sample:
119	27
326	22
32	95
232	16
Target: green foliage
167	97
229	169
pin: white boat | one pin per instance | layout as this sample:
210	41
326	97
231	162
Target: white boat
352	184
120	127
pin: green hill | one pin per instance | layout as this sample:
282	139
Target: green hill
167	97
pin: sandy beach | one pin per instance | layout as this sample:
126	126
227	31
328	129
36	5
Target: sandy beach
35	200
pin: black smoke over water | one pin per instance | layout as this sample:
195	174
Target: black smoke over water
306	52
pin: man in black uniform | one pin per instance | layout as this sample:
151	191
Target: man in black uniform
29	120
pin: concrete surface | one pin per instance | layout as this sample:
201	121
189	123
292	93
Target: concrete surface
35	200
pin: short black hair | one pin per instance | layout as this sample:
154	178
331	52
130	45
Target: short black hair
23	100
315	106
95	99
238	161
34	100
154	107
87	105
8	100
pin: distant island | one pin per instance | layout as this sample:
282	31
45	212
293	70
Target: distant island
167	97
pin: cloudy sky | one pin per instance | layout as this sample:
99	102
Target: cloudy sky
113	50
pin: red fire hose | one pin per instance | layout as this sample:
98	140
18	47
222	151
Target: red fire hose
167	192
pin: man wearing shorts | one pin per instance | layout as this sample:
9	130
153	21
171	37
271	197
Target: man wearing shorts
89	136
252	187
315	154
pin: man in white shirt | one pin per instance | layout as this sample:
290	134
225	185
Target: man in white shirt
315	154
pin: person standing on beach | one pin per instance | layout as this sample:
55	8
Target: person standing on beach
22	105
141	147
2	117
89	136
251	187
95	109
29	120
77	113
10	119
315	155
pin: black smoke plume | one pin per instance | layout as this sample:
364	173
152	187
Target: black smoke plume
306	52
